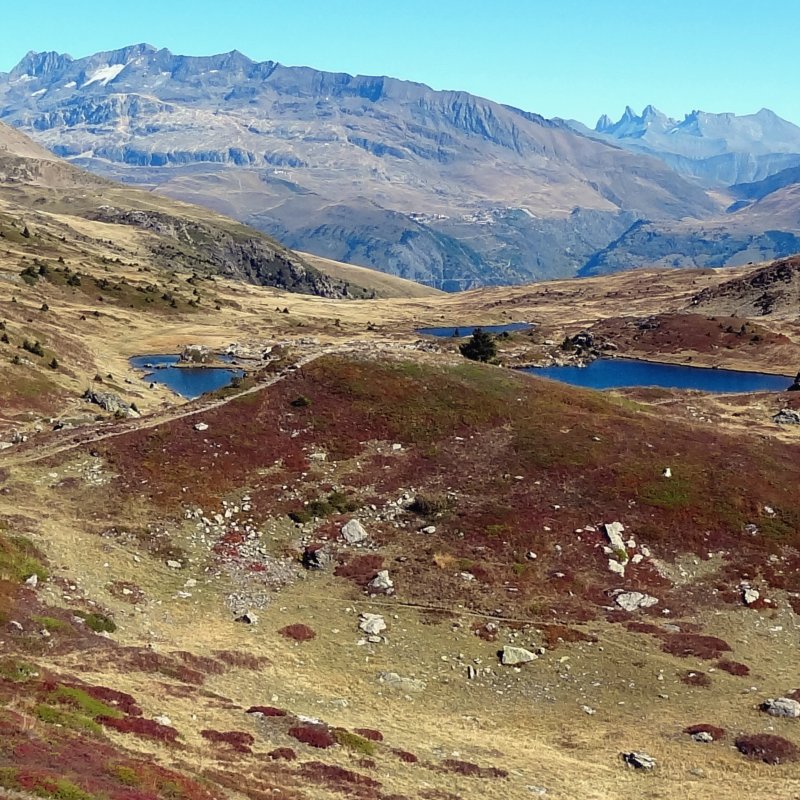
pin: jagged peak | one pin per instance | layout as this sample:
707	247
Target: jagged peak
37	64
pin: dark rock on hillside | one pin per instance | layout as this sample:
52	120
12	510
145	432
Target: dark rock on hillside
774	289
235	253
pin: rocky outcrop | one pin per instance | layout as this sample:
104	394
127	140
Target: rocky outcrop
112	403
233	251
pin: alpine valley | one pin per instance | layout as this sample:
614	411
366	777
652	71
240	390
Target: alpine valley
442	187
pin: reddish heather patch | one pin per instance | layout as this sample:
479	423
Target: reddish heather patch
693	678
794	695
559	634
369	733
713	731
635	626
405	756
267	711
767	748
733	667
692	644
146	728
335	777
282	754
238	740
121	700
313	735
360	569
298	632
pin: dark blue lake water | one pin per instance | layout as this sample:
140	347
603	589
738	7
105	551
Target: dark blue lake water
189	382
618	373
466	330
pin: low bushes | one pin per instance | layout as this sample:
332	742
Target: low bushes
767	748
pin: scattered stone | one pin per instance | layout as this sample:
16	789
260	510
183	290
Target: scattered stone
248	618
639	760
782	707
667	472
512	655
703	737
201	426
631	601
616	567
614	531
396	681
354	532
371	624
750	595
381	582
163	719
32	581
429	529
174	564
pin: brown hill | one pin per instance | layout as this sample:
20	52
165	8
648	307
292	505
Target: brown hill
772	290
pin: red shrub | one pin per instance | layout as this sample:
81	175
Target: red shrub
794	695
336	777
767	748
238	740
369	733
715	732
692	644
360	569
313	735
405	756
298	632
692	678
267	711
644	627
733	667
139	726
282	754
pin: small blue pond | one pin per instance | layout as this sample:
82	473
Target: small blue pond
618	373
189	382
466	330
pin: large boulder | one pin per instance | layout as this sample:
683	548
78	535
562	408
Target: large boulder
511	656
111	402
632	601
782	707
354	532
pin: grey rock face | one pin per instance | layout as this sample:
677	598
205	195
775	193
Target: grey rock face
632	601
110	402
782	707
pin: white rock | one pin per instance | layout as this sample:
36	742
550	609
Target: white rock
614	531
201	426
639	760
162	719
750	595
782	707
429	529
702	736
516	655
354	532
381	582
174	564
631	601
32	580
667	473
372	624
616	567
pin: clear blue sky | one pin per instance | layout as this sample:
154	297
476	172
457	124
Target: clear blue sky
569	58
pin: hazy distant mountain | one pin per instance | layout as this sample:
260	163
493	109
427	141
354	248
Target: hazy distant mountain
715	148
443	187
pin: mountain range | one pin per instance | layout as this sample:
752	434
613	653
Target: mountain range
442	187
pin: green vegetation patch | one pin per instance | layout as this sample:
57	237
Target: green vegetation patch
334	503
354	742
84	702
19	559
66	719
99	623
